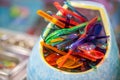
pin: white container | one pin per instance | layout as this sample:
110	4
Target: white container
16	73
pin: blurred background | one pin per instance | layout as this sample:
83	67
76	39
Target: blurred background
20	27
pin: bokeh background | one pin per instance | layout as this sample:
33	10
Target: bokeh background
20	27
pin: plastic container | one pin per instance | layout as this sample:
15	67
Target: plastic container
14	66
17	42
15	49
107	70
